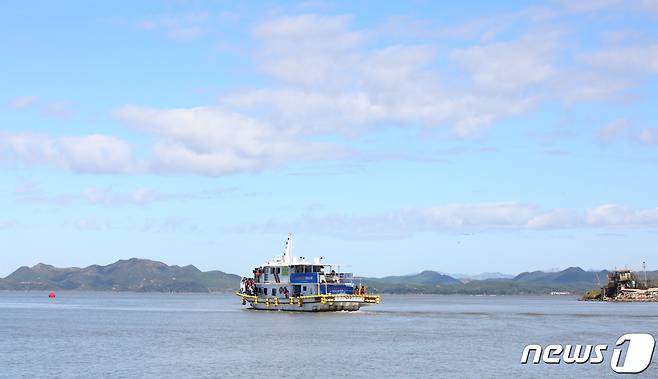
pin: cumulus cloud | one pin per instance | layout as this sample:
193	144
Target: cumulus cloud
612	215
95	153
511	66
328	79
212	141
303	49
201	140
626	59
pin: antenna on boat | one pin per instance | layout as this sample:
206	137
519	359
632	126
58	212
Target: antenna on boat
287	253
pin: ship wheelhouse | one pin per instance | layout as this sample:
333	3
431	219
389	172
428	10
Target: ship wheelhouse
301	279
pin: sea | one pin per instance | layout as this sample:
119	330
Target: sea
184	335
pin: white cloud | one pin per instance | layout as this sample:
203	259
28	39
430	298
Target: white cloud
629	60
488	215
328	80
510	66
612	215
308	49
589	85
94	153
477	217
201	140
212	141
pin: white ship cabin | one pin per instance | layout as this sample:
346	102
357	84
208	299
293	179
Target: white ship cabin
289	276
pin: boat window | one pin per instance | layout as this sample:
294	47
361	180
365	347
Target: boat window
304	288
265	291
273	291
278	270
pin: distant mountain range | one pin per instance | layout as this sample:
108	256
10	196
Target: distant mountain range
151	276
571	275
125	275
572	279
482	276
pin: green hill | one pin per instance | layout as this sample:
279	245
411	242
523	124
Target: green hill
124	275
151	276
572	279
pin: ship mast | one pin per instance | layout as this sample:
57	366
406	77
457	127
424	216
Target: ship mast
287	253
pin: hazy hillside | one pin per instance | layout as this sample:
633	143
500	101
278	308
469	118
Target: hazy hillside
124	275
573	279
571	275
426	277
426	281
482	276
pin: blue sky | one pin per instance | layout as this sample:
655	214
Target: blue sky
391	138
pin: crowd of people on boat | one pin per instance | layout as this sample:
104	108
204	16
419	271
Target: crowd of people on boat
248	286
359	290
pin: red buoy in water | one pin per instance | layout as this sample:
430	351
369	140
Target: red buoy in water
51	295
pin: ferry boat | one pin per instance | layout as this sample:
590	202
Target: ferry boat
290	283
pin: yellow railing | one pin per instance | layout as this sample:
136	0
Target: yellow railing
373	299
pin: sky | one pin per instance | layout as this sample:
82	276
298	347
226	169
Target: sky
390	138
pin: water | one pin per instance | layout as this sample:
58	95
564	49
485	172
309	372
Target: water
120	335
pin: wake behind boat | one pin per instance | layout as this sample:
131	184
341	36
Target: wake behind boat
290	283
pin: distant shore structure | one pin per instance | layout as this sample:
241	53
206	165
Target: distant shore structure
290	283
625	286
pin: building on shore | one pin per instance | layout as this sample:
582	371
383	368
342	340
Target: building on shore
625	285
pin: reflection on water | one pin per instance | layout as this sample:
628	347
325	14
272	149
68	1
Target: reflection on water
89	334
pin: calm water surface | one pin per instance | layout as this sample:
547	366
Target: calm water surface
121	335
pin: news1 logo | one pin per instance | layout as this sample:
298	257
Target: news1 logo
638	349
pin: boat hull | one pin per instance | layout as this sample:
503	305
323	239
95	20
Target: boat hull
309	307
321	303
